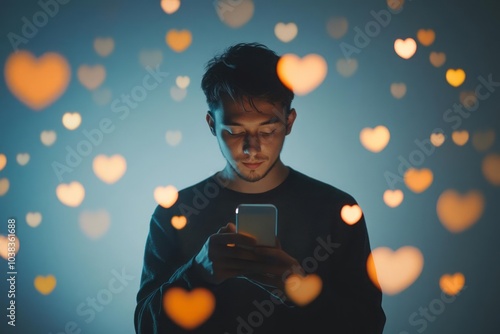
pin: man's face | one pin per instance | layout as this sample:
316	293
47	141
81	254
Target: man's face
251	138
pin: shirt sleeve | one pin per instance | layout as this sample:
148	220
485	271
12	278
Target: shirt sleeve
162	269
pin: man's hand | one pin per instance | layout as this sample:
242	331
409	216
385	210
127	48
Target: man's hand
228	254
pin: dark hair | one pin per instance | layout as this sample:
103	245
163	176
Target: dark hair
245	70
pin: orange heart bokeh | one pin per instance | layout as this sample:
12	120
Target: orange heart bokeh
490	168
452	284
418	180
178	222
437	59
426	36
351	214
375	139
392	198
458	212
178	40
45	284
166	196
302	75
394	271
188	309
455	77
303	290
405	48
37	82
109	169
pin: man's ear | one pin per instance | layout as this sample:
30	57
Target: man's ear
292	115
210	122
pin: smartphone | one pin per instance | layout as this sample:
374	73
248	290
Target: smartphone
258	220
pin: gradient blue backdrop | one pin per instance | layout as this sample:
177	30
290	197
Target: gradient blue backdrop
324	144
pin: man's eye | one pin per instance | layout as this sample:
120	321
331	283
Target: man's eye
236	134
267	133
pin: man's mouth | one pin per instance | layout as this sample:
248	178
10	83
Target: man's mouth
253	165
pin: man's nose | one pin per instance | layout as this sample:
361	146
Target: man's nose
251	144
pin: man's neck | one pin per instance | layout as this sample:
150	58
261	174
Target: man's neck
274	178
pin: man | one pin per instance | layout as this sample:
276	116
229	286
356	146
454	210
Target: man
250	115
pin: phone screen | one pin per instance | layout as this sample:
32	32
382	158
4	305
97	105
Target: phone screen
258	220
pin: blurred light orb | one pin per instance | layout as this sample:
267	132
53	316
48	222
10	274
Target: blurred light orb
170	6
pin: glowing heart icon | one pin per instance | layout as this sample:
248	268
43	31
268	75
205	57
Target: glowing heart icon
337	27
234	14
302	75
395	5
392	198
398	90
188	309
178	94
178	222
375	139
468	99
173	137
104	46
455	77
346	68
71	121
45	284
452	284
48	137
490	168
94	224
101	96
33	219
22	158
4	186
170	6
405	48
4	245
166	196
109	169
303	290
426	36
70	194
151	58
437	139
459	212
418	180
460	137
37	82
437	59
91	76
286	32
394	271
351	214
182	82
3	161
481	141
178	40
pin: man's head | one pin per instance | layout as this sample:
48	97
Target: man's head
249	108
245	70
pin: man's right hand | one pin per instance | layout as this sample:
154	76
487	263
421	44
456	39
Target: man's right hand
225	254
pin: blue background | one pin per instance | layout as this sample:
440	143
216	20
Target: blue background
324	144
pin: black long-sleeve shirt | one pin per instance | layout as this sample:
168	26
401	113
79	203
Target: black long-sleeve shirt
310	229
